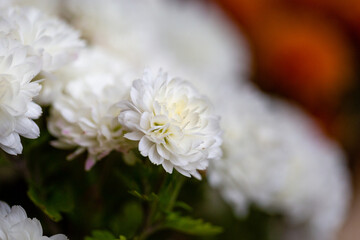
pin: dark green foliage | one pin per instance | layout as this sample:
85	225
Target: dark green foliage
103	235
137	201
52	201
190	226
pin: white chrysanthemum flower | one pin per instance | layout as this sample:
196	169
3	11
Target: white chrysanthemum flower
277	158
84	115
52	39
17	69
173	122
15	225
93	60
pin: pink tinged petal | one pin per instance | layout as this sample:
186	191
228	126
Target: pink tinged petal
168	166
27	128
144	146
154	156
90	162
103	154
75	154
134	136
61	145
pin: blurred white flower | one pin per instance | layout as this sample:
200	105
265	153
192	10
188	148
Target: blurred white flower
121	26
83	116
52	7
15	225
173	122
17	69
5	3
91	60
52	39
188	38
275	157
197	41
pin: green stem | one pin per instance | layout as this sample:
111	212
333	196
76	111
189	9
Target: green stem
179	182
154	220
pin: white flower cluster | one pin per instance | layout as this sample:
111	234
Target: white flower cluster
17	110
84	115
276	158
173	122
15	225
30	42
141	35
49	38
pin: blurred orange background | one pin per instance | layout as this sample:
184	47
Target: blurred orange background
308	51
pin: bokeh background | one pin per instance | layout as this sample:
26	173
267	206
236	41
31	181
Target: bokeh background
307	51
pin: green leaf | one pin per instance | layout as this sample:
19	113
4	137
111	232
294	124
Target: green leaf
169	191
101	235
144	197
3	160
190	226
183	205
128	220
53	202
7	168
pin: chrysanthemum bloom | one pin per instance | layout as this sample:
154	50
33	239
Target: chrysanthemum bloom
52	39
173	123
91	60
15	225
275	157
17	69
84	116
